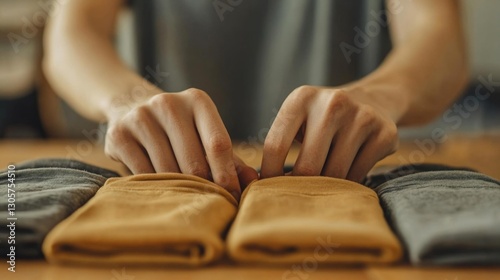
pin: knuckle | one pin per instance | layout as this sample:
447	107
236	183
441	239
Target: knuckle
338	100
116	133
114	136
197	169
366	117
140	113
394	147
163	102
196	94
298	99
340	95
389	138
138	116
219	143
305	89
392	132
108	151
303	93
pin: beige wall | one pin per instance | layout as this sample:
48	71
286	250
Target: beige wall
482	26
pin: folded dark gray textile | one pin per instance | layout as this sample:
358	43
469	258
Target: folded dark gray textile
384	173
447	217
46	192
66	163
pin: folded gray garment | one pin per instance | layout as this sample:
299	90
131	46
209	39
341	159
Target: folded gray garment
66	163
46	192
445	217
384	173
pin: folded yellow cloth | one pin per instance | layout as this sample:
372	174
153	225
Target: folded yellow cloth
311	219
146	219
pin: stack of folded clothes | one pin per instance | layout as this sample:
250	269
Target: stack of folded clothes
443	215
84	214
158	219
324	220
47	191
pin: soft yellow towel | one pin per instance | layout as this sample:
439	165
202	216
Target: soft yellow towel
311	219
146	219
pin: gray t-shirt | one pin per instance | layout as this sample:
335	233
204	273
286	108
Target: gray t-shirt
248	55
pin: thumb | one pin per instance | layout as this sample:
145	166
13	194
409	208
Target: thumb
246	174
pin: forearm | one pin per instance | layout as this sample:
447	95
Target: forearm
426	69
83	67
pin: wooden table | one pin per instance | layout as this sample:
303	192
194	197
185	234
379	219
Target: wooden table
479	152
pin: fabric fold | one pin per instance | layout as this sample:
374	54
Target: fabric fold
66	163
448	217
162	219
384	173
44	192
289	219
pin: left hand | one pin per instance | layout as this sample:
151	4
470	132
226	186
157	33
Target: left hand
343	132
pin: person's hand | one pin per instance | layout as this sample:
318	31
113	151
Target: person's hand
176	132
343	133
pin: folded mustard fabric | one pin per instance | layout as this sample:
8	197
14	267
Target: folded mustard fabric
293	219
169	219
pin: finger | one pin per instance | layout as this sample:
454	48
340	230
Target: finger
315	147
246	174
178	124
121	146
188	150
134	157
376	148
344	148
162	155
217	145
280	138
153	138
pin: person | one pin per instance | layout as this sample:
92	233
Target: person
240	53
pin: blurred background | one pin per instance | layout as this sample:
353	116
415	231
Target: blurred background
22	84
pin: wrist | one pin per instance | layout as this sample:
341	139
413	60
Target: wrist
389	95
137	92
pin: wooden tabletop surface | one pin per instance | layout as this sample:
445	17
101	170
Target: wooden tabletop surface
479	152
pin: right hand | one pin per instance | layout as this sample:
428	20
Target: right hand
177	132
